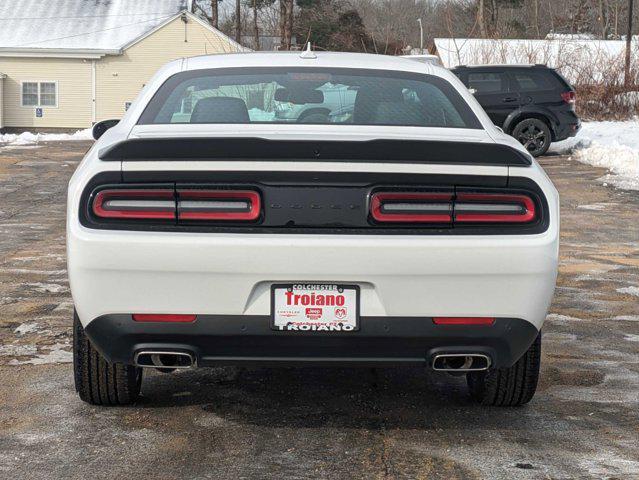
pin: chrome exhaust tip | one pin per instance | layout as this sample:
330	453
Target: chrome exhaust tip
461	362
164	360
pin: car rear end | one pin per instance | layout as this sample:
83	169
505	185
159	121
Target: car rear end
546	89
569	123
355	244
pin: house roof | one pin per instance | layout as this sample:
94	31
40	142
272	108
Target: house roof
81	26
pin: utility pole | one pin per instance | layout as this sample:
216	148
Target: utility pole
421	36
238	25
628	45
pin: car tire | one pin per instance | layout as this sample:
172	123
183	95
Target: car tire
97	381
534	135
508	387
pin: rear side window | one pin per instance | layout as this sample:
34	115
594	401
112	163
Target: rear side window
309	96
535	81
488	82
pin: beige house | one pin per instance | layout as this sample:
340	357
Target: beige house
88	60
2	75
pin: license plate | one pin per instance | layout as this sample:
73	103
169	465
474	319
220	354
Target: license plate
315	307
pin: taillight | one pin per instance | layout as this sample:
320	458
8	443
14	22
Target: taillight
412	207
220	205
569	97
135	204
446	207
493	208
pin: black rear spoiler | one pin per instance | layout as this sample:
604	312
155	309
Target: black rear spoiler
383	151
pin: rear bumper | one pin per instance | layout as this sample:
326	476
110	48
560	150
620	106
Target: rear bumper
231	275
231	340
567	129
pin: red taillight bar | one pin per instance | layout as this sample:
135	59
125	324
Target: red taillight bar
228	205
135	204
413	207
186	204
444	207
170	317
463	320
494	208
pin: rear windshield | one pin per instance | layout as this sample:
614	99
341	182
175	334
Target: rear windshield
309	95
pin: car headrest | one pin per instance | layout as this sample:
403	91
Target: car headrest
394	113
220	110
368	99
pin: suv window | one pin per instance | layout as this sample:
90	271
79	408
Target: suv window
533	81
309	95
488	82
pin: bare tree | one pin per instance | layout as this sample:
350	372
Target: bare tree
286	23
256	29
603	18
626	77
289	22
480	18
214	20
283	24
238	21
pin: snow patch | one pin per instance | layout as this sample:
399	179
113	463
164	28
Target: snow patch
629	290
28	138
26	328
595	206
627	318
611	145
17	350
55	354
47	287
559	318
560	337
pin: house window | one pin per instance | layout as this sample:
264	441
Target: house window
48	97
29	94
39	94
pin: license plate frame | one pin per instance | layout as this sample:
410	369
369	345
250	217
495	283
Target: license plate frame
353	320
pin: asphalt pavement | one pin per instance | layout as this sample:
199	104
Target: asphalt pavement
233	423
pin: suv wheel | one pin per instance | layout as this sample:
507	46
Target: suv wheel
508	387
534	135
97	381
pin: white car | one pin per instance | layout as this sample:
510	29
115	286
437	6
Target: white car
408	232
425	58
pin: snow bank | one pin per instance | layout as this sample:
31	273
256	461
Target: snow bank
28	138
611	145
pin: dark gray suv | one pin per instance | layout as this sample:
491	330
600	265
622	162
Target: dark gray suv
533	103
